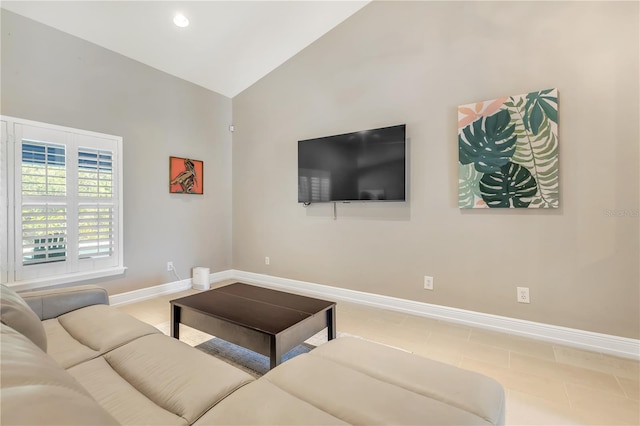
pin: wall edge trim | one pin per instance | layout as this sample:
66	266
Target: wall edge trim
598	342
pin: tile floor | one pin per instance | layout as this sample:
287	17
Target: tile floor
545	383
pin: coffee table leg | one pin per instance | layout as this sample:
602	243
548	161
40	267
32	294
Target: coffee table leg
331	323
275	357
175	321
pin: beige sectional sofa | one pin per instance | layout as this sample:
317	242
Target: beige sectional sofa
68	358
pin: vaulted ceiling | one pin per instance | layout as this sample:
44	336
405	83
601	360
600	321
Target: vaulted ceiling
228	46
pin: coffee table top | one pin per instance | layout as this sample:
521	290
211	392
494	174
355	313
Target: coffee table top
258	308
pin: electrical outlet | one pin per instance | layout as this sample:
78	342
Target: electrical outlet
266	260
428	282
169	266
523	295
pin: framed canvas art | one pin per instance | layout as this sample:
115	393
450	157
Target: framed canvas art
186	176
508	152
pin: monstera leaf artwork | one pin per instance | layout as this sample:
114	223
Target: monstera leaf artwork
512	186
508	152
488	142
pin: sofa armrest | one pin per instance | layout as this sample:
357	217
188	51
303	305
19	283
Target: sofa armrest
49	304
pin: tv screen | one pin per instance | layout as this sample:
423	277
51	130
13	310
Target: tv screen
359	166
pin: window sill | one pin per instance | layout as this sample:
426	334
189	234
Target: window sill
65	279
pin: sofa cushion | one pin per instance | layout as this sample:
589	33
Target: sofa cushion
46	404
358	398
86	333
471	392
121	398
263	403
62	347
171	380
361	382
35	390
15	313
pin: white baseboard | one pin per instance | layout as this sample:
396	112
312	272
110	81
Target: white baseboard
603	343
163	289
149	292
221	276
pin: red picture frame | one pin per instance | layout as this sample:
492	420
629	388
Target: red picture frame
186	176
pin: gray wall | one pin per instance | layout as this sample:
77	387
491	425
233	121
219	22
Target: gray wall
53	77
390	63
414	63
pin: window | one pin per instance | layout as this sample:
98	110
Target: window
64	220
314	185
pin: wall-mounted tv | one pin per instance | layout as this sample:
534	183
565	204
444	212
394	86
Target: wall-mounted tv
369	165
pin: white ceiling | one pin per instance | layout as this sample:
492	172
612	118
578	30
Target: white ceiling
228	46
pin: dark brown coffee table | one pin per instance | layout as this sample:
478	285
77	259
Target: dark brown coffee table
266	321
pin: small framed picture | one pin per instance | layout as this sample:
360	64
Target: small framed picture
186	176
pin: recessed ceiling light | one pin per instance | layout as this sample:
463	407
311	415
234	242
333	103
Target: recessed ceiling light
181	20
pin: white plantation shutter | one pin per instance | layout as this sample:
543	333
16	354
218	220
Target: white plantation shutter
44	209
96	237
44	233
67	217
96	224
43	169
95	174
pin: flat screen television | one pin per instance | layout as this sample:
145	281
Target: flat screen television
369	165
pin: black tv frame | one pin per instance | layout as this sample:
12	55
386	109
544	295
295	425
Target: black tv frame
347	142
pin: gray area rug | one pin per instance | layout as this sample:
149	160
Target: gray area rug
254	363
251	362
